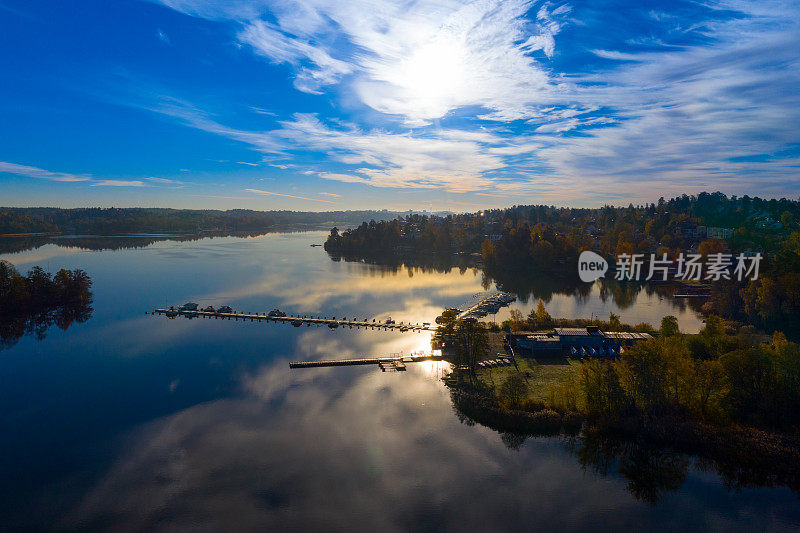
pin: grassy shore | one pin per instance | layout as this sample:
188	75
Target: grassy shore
539	374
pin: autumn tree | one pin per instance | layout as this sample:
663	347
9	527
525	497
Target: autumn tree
669	326
539	317
514	390
711	246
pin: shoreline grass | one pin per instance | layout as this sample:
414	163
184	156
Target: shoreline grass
540	375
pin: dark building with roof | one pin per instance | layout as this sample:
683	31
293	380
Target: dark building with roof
574	342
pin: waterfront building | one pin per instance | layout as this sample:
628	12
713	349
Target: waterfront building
587	341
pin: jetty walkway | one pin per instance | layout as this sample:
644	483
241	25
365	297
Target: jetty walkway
478	307
298	321
395	362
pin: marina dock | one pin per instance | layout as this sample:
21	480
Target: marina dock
297	321
479	306
482	304
393	362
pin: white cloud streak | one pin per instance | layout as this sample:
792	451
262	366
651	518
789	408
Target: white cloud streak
119	183
39	173
268	193
164	181
33	172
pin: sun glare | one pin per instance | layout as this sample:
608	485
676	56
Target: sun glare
435	72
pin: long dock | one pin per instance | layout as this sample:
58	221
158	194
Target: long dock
392	362
298	321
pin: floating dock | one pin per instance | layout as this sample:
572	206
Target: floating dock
298	321
393	362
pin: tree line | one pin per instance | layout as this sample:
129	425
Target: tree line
772	302
30	304
517	244
540	231
104	221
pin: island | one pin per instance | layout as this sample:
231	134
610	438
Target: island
30	304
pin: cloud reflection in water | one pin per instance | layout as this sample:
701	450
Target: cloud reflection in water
357	449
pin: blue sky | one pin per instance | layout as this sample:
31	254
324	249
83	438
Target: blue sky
324	104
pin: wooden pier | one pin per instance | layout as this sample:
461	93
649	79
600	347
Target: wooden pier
390	363
298	321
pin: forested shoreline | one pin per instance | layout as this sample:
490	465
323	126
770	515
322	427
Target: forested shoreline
515	245
30	304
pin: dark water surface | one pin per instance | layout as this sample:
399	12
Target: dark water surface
127	421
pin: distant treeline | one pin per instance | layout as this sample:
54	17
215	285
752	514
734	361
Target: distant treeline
109	242
538	232
108	221
519	243
30	304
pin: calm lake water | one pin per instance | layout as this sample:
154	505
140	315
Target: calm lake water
128	421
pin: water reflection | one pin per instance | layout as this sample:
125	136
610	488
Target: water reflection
14	326
651	472
376	452
137	422
565	296
10	245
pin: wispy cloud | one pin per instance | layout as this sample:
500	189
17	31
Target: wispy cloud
164	181
683	117
704	100
279	46
268	193
222	197
119	183
332	195
418	61
33	172
262	111
382	159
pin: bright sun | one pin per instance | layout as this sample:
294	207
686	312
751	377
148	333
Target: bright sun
434	73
